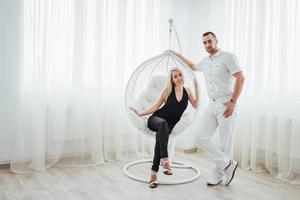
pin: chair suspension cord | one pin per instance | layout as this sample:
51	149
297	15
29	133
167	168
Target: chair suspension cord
173	28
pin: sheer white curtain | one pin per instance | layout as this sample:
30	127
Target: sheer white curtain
77	58
265	36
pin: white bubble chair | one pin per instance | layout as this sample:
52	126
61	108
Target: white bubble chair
143	89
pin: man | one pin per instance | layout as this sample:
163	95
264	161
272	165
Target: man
224	80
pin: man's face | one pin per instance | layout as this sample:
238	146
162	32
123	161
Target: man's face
210	43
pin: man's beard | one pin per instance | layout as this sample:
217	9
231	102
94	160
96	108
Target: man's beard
211	50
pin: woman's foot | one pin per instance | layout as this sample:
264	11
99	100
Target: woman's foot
166	167
153	180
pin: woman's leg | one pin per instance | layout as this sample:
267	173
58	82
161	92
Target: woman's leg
162	137
156	158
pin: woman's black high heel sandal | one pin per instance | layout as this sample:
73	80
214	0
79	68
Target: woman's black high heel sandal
166	167
153	183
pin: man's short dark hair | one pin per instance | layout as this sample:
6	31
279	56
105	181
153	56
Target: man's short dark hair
207	33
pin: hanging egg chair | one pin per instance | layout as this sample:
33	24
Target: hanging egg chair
144	88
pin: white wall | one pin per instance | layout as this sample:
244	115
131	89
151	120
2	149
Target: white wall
193	18
9	62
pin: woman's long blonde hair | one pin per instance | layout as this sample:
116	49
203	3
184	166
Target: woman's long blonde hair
170	84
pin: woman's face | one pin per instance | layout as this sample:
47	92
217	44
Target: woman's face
177	77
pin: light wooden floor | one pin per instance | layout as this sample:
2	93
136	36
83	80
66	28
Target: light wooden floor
109	182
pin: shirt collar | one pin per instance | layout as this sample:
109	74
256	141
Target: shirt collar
216	54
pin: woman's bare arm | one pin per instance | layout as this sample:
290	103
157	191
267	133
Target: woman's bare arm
154	107
194	100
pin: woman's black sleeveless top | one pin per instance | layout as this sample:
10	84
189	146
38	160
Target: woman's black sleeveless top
173	109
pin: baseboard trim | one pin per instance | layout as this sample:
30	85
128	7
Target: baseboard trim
4	166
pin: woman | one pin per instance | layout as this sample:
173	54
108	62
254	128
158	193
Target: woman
175	98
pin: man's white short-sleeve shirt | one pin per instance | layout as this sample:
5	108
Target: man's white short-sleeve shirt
218	72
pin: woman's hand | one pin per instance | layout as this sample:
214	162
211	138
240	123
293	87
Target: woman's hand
136	112
194	100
